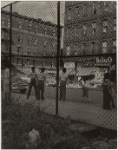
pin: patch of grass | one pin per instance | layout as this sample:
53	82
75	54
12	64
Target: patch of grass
53	130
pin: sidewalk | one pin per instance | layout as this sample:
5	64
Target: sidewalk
81	111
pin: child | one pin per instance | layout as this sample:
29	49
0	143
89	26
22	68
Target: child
84	88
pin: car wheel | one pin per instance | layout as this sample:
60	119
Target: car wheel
23	91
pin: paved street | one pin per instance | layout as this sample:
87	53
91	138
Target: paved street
87	111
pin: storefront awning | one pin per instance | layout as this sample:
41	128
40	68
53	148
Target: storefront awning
85	73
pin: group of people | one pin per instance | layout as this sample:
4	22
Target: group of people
38	81
109	88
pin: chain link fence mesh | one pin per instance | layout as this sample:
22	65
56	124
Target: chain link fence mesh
87	49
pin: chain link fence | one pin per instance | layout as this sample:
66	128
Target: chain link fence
78	36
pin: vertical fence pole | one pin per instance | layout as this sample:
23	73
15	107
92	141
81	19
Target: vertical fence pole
10	48
58	50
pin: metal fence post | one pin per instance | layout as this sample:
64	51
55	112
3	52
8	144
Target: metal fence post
58	50
10	48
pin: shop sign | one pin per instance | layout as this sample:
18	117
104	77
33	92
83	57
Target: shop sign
103	61
87	63
69	65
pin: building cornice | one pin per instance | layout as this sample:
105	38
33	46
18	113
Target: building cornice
15	14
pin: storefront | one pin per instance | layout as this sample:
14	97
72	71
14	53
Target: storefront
90	68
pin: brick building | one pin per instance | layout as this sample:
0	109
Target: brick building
90	29
31	38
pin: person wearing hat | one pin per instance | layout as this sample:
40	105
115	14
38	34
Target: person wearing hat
33	79
40	84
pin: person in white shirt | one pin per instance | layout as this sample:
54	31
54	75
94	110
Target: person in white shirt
32	83
40	84
63	80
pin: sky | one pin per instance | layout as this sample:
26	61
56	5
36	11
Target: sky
46	10
4	3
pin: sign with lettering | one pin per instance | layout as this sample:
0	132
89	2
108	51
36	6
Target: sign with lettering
103	61
97	61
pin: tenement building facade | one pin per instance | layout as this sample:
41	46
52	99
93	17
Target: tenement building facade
31	39
90	29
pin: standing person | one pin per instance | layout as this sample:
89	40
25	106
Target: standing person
113	82
32	83
107	95
84	88
40	84
63	80
6	84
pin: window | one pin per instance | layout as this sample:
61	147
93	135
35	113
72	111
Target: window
19	38
2	35
77	11
20	25
84	9
45	31
44	63
28	51
36	30
69	14
106	6
75	49
8	23
18	49
44	53
92	48
30	27
94	11
28	62
84	29
35	41
52	65
17	60
93	28
68	50
45	43
114	26
67	33
33	62
3	22
105	26
29	40
54	35
84	48
53	53
114	46
53	45
75	32
104	47
35	52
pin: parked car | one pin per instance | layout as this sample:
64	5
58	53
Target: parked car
17	84
51	82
